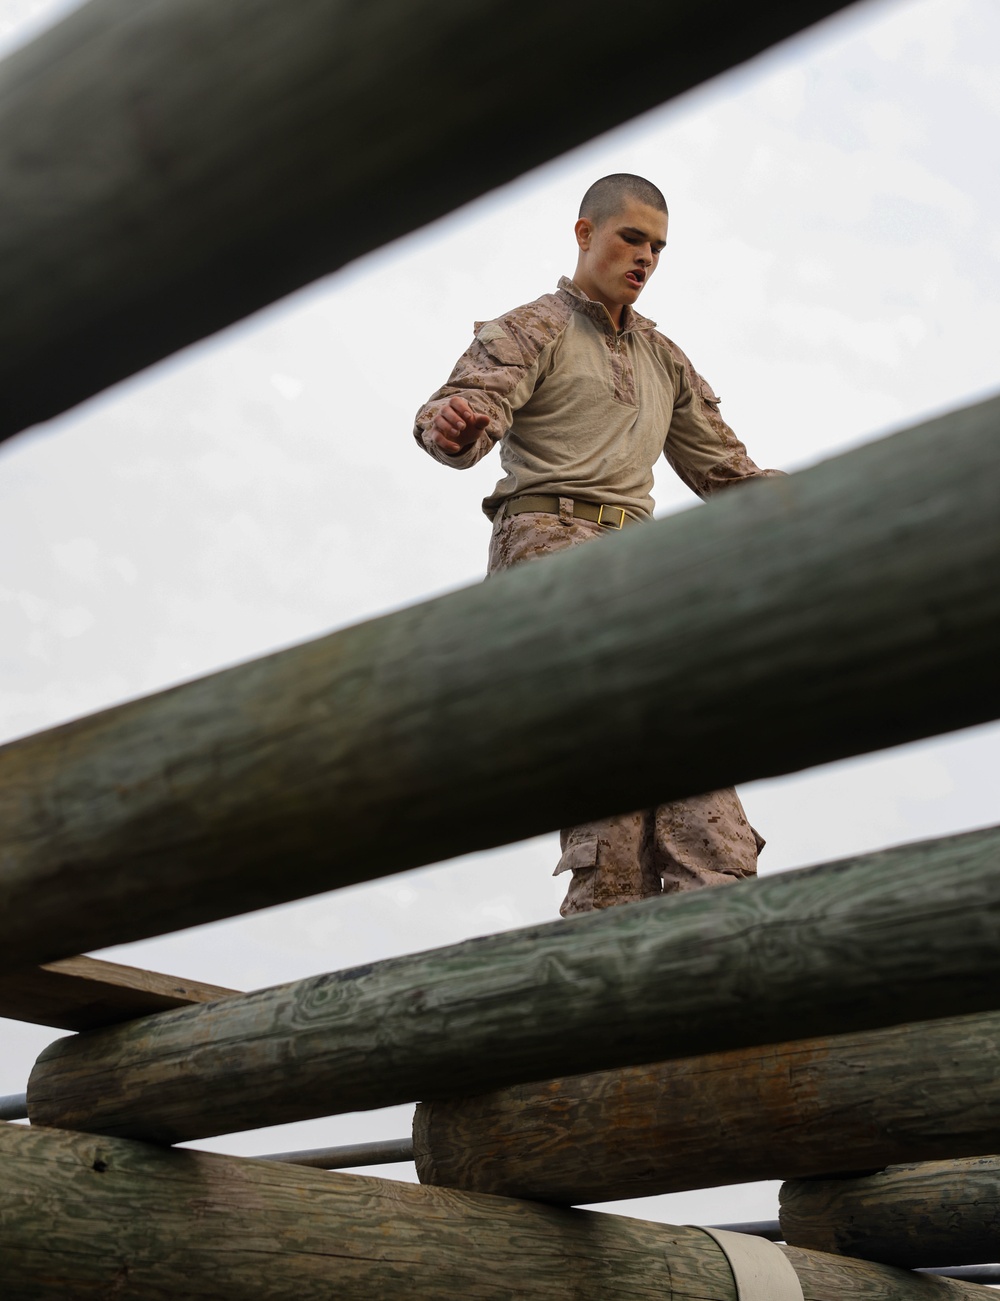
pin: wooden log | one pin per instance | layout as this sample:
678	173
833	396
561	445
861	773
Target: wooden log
171	166
795	621
143	1223
909	1092
85	993
881	939
917	1214
858	1279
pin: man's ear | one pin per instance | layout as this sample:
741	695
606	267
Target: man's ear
584	229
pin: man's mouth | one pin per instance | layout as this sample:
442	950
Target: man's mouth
635	278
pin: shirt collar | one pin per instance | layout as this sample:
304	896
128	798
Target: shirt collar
578	300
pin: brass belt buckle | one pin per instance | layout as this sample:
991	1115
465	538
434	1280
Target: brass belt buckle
607	523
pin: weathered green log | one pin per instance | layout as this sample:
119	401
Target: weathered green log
168	167
925	1214
905	1093
85	1217
881	939
789	622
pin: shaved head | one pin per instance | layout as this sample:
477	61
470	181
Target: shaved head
608	197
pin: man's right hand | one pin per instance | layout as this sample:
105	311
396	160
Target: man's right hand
456	426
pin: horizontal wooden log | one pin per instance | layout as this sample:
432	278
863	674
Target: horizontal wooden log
84	993
794	621
857	1281
142	1223
170	166
814	1107
928	1213
880	939
969	1273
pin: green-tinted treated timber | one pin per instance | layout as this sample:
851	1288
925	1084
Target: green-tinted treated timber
880	939
168	167
909	1092
85	1217
84	993
125	1220
790	622
927	1214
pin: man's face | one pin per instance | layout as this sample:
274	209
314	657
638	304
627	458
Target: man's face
618	257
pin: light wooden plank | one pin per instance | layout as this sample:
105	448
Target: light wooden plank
787	623
880	939
84	993
782	1111
143	1223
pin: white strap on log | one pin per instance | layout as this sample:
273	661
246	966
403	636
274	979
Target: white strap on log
761	1270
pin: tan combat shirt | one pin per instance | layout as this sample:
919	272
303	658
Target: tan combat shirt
581	409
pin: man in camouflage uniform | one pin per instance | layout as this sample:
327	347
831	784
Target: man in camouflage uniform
583	395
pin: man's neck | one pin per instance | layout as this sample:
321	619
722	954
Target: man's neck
614	310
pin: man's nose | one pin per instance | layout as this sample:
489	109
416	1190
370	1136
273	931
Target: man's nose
645	255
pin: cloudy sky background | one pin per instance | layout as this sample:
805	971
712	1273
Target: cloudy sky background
833	268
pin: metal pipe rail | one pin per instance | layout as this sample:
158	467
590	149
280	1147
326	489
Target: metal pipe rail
349	1156
14	1106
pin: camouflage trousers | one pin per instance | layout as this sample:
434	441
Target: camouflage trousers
685	845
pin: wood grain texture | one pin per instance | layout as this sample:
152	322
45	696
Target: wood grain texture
84	993
861	1280
880	939
141	1223
171	166
918	1214
787	623
817	1106
129	1221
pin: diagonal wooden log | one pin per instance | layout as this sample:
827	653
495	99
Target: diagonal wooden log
919	1214
783	1111
142	1223
84	993
171	166
787	623
881	939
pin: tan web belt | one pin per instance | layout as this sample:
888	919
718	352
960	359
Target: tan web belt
761	1271
610	517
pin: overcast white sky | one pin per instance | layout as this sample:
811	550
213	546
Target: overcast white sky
833	268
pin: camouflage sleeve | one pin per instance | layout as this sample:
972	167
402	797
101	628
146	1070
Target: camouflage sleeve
495	375
700	447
